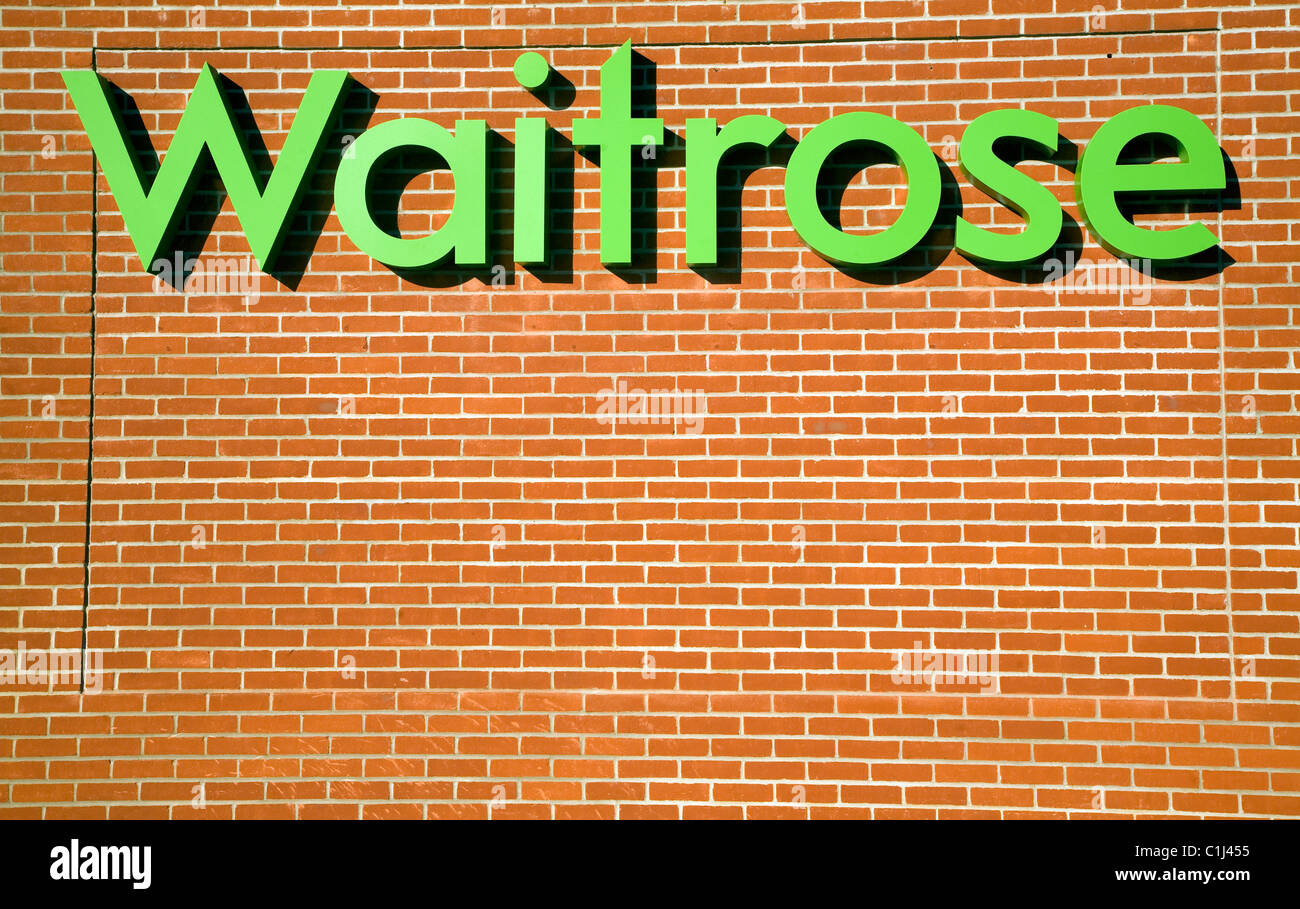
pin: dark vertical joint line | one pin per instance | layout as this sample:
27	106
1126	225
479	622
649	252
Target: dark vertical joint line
90	420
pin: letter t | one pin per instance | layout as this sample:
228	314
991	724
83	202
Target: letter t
616	133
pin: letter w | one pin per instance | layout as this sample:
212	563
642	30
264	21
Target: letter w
152	215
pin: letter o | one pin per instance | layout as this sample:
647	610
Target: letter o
909	150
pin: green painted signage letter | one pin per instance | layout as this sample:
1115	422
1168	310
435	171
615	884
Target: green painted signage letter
152	215
999	179
1100	176
616	132
705	148
908	149
465	229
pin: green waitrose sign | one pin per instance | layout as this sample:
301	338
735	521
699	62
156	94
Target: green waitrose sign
152	214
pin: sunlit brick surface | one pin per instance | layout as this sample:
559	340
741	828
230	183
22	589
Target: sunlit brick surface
361	545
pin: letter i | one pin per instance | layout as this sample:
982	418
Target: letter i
530	190
532	71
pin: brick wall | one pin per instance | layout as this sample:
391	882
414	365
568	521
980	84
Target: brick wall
357	543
